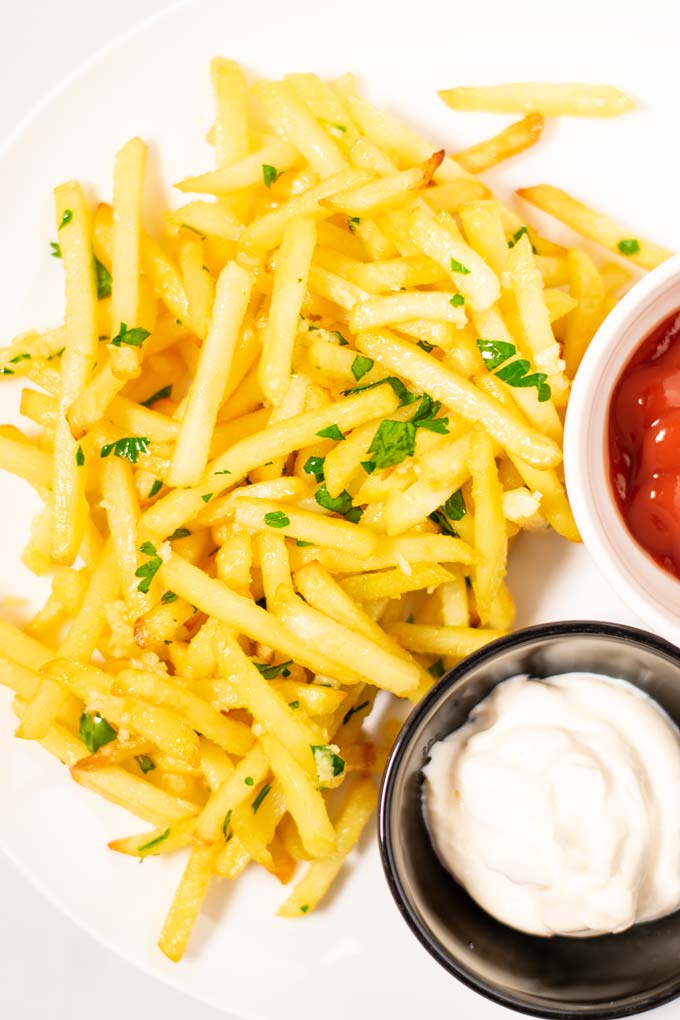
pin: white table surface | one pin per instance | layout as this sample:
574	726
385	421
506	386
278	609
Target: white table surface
48	968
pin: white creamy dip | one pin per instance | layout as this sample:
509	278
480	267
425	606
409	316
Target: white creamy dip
557	805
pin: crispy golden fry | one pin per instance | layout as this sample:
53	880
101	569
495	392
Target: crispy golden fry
548	98
508	142
595	225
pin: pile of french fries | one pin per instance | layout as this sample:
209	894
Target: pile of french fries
282	453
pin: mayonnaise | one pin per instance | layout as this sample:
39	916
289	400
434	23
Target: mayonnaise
557	805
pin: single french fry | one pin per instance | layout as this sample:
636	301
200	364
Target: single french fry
391	584
188	901
595	225
205	395
489	529
454	641
260	514
70	504
134	793
128	187
384	311
230	93
549	98
290	283
162	840
587	287
372	198
198	282
242	173
508	142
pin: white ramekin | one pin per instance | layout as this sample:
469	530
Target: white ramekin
648	589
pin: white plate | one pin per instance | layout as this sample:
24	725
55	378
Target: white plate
355	955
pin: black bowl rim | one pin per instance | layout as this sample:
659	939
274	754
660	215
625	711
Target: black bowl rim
448	681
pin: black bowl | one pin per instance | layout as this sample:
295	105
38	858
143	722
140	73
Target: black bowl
570	978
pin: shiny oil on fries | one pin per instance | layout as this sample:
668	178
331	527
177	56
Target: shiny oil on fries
283	453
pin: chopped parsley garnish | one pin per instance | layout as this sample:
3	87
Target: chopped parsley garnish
225	823
360	366
424	346
496	352
6	371
145	763
162	394
328	762
458	267
353	222
94	731
393	442
277	519
179	533
304	908
148	570
629	246
225	471
19	357
424	418
353	711
516	236
331	432
341	339
314	466
103	278
128	448
260	797
293	704
331	124
153	843
457	300
301	544
207	496
368	466
437	669
455	508
65	219
155	488
269	174
276	669
341	504
56	250
57	354
249	781
80	456
167	597
131	337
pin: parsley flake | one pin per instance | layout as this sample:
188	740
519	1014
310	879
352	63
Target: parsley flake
328	762
353	222
131	337
94	731
361	365
56	250
354	711
458	267
128	448
179	533
103	279
276	669
145	763
517	373
331	432
65	219
314	466
269	174
260	797
457	300
629	246
249	781
80	456
168	597
207	496
161	394
155	488
277	519
148	570
153	843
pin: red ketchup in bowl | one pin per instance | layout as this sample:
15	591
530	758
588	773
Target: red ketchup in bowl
644	444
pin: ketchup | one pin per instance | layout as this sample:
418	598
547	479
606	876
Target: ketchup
644	444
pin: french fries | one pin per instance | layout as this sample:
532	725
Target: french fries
322	408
